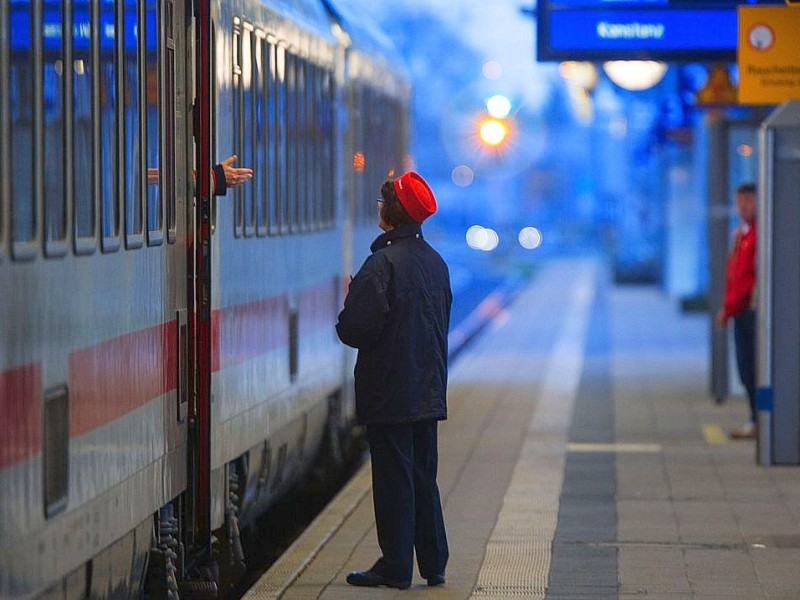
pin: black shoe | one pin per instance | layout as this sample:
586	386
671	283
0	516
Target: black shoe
373	579
435	580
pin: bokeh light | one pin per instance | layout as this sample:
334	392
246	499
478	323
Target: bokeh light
498	106
530	238
359	162
492	70
635	75
493	132
482	238
462	176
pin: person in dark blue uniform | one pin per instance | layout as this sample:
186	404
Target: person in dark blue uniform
397	314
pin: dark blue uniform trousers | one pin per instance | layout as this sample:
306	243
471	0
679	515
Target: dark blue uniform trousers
408	509
744	337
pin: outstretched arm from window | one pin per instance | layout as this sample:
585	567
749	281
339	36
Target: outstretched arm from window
225	175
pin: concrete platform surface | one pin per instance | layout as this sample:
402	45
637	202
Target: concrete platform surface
583	458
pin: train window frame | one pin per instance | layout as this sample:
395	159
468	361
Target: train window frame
85	244
260	180
312	186
329	146
132	199
237	122
154	234
26	248
304	144
56	222
320	139
312	136
323	133
109	242
290	147
282	140
5	188
249	126
168	159
325	178
271	138
360	148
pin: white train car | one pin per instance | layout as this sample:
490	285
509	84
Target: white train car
101	357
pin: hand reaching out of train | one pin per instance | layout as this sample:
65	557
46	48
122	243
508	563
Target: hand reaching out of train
225	175
235	176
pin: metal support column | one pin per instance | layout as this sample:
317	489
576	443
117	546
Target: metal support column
718	234
778	312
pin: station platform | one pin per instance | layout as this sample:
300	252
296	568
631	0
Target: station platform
582	458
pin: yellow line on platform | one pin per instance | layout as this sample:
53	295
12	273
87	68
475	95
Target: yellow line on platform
714	434
576	447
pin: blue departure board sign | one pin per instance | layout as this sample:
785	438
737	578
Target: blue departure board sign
669	30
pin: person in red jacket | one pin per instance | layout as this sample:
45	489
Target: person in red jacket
739	304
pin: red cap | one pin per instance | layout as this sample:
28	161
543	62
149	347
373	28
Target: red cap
415	196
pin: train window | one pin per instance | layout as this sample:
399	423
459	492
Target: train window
321	127
55	453
314	162
53	131
303	145
360	162
322	139
131	115
238	193
259	166
271	174
291	141
249	85
21	129
325	177
168	148
308	157
83	75
328	138
109	133
312	156
153	207
366	148
281	139
4	188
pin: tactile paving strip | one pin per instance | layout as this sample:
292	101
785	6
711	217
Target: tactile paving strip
517	559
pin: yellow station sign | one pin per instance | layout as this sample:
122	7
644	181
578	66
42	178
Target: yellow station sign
768	54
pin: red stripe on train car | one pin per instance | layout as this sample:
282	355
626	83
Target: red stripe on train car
115	377
248	330
20	413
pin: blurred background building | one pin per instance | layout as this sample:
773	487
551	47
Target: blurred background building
572	161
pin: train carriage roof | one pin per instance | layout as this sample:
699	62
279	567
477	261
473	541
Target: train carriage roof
309	14
367	37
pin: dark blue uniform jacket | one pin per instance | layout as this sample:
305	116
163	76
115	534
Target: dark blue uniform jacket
397	313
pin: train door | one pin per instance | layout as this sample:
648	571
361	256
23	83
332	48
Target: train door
199	65
176	151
